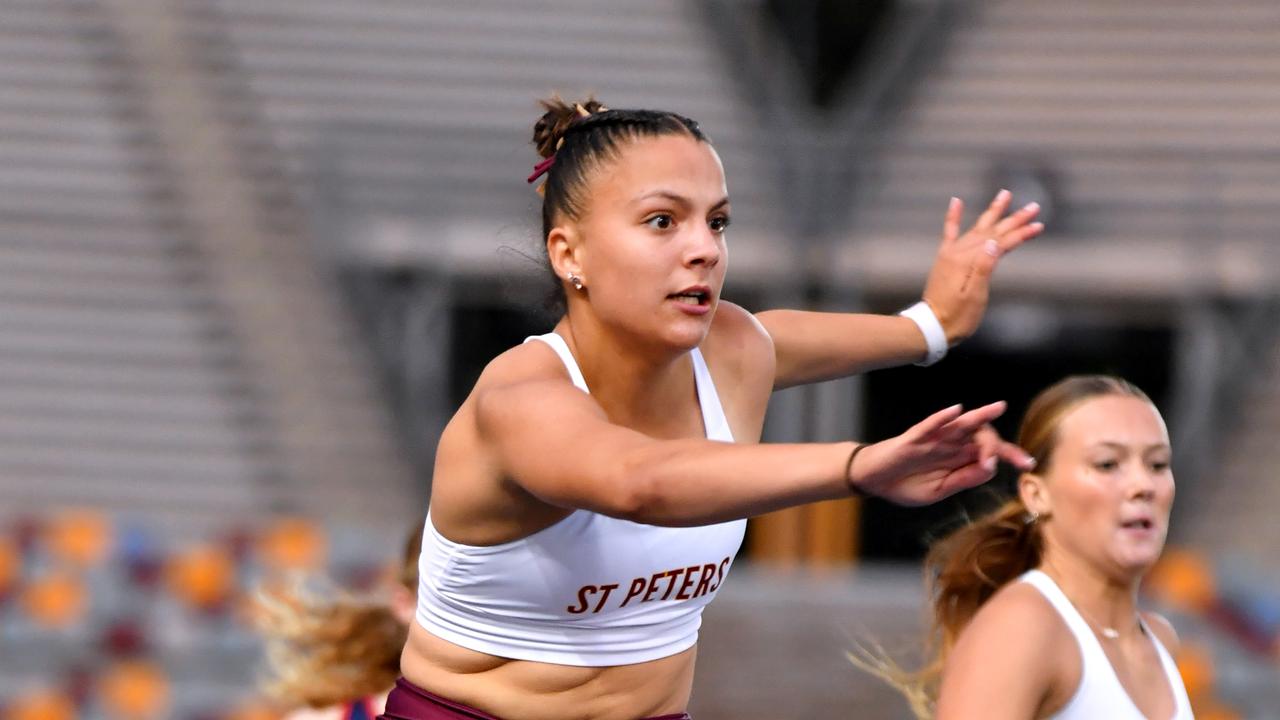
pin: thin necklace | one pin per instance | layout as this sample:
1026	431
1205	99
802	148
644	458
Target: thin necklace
1109	633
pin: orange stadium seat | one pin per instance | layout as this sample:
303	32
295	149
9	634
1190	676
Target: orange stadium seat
202	576
293	544
41	705
82	538
134	690
56	600
1184	580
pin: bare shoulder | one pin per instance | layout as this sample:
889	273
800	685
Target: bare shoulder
734	324
529	373
532	363
1005	617
1163	629
523	400
528	378
1015	635
740	354
738	341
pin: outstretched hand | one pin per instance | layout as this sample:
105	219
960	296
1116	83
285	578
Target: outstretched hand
959	283
949	451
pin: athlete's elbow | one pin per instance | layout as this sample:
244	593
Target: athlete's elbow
639	495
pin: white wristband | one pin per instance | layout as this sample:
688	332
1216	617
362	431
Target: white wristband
935	338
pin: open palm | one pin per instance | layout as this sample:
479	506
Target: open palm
945	453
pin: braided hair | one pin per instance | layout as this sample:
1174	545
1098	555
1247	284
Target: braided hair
575	138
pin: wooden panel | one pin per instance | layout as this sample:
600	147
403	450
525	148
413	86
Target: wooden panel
822	534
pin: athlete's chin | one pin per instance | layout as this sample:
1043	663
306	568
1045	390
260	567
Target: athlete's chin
1136	561
688	333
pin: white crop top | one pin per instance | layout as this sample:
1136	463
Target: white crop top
1100	694
590	590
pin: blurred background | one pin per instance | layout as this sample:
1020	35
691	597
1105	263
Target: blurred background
254	252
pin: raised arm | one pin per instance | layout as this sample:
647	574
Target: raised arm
813	346
556	443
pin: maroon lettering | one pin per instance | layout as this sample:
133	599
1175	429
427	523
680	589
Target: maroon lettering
605	589
685	583
704	580
637	587
688	580
673	574
583	592
653	587
720	574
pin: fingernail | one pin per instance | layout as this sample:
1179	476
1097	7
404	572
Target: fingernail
1030	462
954	202
1002	195
1032	206
992	247
989	463
1037	226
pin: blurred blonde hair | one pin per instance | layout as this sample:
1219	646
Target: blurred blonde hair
325	647
966	568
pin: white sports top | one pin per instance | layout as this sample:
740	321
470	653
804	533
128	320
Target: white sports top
590	590
1100	694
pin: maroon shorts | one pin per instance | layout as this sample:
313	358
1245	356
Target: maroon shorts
410	702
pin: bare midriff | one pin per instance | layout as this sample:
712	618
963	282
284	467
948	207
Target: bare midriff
544	691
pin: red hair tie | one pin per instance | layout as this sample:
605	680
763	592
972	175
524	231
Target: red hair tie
541	168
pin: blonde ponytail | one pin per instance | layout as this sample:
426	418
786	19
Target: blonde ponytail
962	572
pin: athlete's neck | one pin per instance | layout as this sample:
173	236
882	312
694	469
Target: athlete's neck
638	385
1106	599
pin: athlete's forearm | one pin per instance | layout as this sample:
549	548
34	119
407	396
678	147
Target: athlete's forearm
698	482
815	346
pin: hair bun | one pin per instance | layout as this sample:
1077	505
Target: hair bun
559	115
